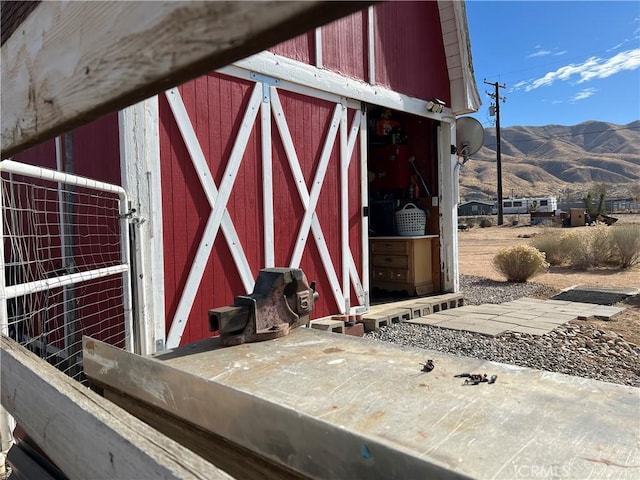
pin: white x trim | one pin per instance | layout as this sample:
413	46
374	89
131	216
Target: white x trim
219	216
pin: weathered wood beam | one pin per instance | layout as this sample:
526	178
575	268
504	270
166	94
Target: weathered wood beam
85	435
71	62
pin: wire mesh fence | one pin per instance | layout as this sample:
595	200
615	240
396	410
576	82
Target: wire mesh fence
65	259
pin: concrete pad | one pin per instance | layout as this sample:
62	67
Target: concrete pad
607	312
506	320
483	327
429	320
522	315
530	330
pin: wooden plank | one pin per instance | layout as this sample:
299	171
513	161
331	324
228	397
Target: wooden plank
85	435
280	432
70	62
239	462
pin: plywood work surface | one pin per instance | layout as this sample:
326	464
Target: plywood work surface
528	419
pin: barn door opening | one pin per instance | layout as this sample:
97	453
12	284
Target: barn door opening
402	188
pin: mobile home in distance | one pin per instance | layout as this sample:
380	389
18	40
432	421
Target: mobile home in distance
513	205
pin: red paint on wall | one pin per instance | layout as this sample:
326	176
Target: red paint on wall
301	48
216	105
344	46
409	52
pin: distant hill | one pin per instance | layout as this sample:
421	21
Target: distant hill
568	161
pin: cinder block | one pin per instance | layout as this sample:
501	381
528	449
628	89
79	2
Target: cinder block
356	330
336	326
399	315
373	322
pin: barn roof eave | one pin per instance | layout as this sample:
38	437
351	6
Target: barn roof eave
465	97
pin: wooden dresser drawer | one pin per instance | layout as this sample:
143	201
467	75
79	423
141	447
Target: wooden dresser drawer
396	275
380	274
398	247
390	261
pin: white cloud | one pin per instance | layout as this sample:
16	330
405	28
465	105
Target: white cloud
592	68
539	53
585	93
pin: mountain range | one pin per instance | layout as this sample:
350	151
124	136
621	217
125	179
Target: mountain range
566	161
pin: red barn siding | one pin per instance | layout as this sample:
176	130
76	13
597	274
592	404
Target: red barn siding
301	48
409	54
309	120
344	46
216	105
96	150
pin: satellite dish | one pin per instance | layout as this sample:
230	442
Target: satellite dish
469	135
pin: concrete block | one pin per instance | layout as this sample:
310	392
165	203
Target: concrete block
336	326
373	322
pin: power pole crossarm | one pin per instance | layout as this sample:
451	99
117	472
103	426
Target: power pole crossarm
496	97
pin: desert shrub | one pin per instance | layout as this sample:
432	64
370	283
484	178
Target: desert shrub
471	222
520	262
576	246
626	243
552	245
600	245
485	222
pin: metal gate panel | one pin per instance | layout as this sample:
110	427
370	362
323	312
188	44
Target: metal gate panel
64	264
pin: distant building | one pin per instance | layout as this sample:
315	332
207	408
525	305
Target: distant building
474	207
512	205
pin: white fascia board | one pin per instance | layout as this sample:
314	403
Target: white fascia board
304	75
465	97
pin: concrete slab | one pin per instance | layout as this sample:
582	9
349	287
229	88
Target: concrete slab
428	320
533	315
529	329
485	327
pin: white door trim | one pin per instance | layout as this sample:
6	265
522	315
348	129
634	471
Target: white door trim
140	166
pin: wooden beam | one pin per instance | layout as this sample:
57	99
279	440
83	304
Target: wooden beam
85	435
71	62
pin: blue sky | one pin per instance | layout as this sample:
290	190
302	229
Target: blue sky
563	63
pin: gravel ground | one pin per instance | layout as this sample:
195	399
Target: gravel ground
576	348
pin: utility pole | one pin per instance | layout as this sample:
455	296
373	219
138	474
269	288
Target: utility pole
496	98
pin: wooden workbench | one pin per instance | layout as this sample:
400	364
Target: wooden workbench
334	406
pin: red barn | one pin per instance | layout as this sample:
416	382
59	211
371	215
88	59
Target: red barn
296	156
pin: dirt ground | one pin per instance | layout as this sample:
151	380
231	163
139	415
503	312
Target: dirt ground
477	247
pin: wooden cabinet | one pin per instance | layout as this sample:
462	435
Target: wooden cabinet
402	263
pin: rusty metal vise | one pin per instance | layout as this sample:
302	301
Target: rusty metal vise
281	300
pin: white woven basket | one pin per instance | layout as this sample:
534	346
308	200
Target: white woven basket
410	221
